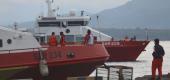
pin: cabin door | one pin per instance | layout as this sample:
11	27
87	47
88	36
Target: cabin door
41	39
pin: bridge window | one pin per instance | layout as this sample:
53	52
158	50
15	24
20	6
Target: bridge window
79	39
64	24
77	23
69	38
1	44
51	24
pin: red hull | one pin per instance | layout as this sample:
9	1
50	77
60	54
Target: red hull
60	72
125	50
60	64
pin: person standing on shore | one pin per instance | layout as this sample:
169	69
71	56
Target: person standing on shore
157	54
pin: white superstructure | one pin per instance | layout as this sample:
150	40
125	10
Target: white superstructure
74	27
16	40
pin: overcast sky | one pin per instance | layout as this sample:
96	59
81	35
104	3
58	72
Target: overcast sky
27	10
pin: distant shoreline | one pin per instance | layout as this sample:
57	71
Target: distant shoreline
141	34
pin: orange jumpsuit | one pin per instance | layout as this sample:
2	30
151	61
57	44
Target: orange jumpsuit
157	61
156	64
53	41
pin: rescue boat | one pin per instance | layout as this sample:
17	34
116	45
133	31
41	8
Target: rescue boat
75	28
21	57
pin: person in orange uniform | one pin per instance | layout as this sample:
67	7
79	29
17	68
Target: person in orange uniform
62	39
87	37
53	39
158	54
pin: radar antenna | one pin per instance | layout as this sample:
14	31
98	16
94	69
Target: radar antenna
50	10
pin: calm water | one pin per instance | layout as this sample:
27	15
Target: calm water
142	66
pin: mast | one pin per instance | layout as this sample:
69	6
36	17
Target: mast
50	10
98	23
146	32
15	25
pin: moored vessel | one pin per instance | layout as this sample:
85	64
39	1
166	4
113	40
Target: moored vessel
23	57
125	50
75	27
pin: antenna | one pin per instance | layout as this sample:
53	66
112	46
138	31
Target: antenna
98	26
82	13
50	10
15	25
146	31
42	12
57	10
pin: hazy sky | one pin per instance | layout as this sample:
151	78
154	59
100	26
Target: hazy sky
27	10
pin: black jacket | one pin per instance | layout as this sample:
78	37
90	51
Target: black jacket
158	52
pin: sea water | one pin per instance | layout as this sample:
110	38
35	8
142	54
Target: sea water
143	64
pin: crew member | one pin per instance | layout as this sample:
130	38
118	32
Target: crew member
88	39
62	39
158	54
53	39
112	39
126	38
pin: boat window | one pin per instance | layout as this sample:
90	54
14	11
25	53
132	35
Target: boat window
77	23
1	44
64	24
9	41
49	18
79	39
67	30
69	38
86	23
42	39
51	24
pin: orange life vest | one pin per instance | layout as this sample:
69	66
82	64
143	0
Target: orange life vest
53	41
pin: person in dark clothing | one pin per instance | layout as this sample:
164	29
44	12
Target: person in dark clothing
62	39
87	37
157	54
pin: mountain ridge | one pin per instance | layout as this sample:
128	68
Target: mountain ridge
136	14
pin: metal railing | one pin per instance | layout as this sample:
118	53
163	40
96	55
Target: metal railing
115	72
19	50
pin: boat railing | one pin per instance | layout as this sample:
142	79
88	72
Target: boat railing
67	44
123	43
118	43
115	72
21	50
